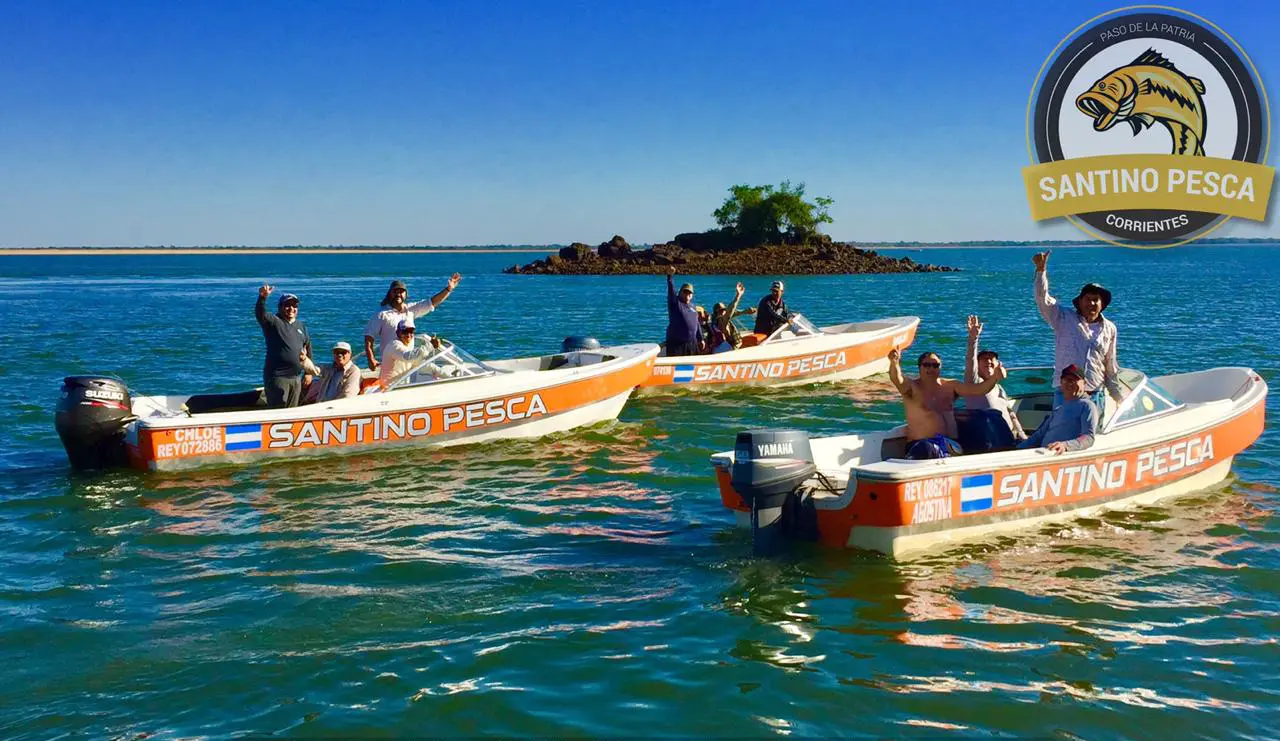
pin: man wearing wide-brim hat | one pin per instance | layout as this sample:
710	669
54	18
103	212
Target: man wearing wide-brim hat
396	309
1082	336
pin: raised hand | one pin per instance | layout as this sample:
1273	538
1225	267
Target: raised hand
265	291
1040	259
740	289
895	355
671	270
975	327
453	280
1000	372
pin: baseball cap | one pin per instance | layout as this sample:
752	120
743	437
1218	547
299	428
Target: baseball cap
1071	370
287	298
403	325
342	346
777	286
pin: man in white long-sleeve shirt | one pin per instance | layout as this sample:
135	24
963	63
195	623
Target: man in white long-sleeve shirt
381	327
400	356
1082	336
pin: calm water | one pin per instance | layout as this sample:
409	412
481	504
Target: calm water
592	585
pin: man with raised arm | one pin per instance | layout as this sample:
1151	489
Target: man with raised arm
724	333
1082	336
395	309
979	365
684	330
929	403
287	344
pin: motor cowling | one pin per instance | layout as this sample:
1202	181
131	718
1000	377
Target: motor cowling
768	467
91	418
578	342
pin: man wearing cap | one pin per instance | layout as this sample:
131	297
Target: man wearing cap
287	344
979	365
1082	335
337	380
684	329
395	309
1072	425
400	356
772	311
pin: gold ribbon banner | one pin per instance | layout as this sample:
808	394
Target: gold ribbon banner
1167	182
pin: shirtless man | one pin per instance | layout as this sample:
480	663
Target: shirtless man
929	402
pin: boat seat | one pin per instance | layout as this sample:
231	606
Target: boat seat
893	447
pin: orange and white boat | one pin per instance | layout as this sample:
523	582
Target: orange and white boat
448	398
796	353
1168	435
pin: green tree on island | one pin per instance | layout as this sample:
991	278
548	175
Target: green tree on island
762	214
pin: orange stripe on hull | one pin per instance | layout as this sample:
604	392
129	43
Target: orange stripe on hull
945	502
707	370
371	429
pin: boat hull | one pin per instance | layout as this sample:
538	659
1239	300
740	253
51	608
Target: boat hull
390	420
902	515
821	358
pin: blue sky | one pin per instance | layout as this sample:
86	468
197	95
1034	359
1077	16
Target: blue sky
453	122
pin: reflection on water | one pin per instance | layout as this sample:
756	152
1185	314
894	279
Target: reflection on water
591	584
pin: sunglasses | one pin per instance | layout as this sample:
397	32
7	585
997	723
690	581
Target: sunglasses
931	364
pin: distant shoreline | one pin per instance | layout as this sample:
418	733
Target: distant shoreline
907	247
24	251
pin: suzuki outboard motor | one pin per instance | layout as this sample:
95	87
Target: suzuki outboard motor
768	467
91	417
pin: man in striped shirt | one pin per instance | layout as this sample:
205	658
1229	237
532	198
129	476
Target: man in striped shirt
1082	336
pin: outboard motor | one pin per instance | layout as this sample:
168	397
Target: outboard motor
577	342
768	467
90	418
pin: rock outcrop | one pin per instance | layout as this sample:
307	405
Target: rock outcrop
700	254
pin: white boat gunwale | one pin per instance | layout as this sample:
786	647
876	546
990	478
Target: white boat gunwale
899	470
396	400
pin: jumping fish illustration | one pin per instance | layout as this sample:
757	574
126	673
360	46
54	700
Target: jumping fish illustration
1148	90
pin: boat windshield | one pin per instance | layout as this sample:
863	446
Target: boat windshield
1142	398
797	327
449	363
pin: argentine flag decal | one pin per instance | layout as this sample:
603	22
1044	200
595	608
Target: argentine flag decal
243	437
682	374
975	493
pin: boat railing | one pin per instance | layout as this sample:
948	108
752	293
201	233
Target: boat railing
447	363
799	327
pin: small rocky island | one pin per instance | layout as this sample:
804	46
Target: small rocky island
703	254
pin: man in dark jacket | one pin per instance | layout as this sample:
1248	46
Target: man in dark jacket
287	343
684	330
772	311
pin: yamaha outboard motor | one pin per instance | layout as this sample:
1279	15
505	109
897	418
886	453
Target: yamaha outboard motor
91	417
768	467
579	343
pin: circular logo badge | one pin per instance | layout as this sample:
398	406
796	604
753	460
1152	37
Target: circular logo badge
1148	127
